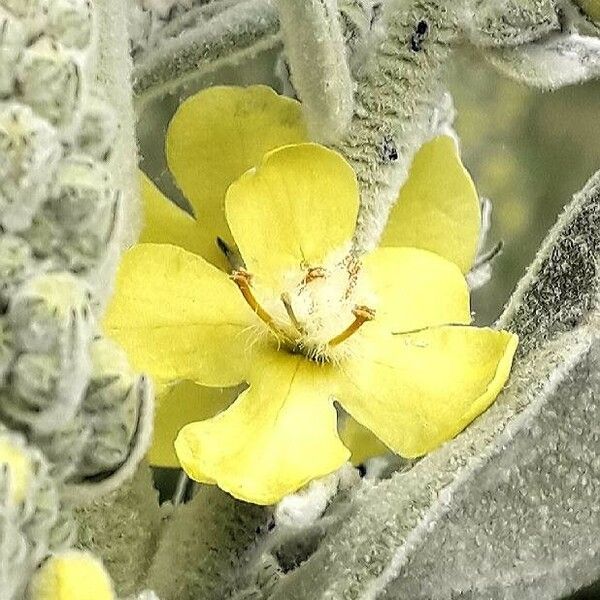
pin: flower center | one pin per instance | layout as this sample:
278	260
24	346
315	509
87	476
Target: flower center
316	313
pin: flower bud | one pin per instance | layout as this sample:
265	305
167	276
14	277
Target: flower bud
29	154
111	408
70	22
64	446
16	264
98	128
7	353
32	13
71	576
82	194
18	467
49	80
47	310
12	42
32	522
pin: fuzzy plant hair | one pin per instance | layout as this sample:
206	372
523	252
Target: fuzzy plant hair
76	419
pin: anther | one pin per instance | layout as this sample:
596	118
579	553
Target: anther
362	314
242	279
314	273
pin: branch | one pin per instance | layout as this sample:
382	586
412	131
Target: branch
551	63
235	34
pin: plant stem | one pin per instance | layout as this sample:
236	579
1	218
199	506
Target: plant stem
394	104
319	66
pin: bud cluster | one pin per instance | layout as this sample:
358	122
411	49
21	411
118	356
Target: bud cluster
60	217
32	520
68	392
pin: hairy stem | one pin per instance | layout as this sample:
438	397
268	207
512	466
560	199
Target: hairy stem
394	104
398	91
319	66
122	528
204	546
113	73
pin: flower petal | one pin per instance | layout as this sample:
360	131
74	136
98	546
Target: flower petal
277	436
362	443
300	204
416	391
183	403
167	223
221	132
438	207
179	317
416	289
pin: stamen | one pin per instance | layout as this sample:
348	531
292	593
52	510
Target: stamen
314	273
362	314
287	302
241	277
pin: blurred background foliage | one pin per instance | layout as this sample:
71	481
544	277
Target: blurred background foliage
528	151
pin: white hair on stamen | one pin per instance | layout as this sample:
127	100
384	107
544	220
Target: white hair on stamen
314	305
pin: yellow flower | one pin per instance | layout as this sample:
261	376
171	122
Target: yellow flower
303	323
437	210
71	576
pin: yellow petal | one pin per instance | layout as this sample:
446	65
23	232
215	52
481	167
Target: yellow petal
416	391
415	289
183	403
362	443
220	133
299	205
179	317
166	223
437	208
277	436
71	576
